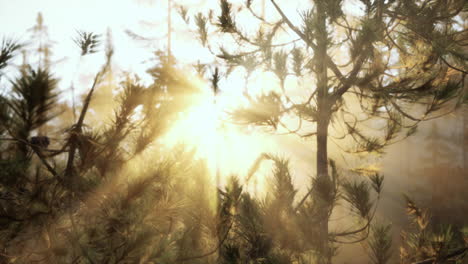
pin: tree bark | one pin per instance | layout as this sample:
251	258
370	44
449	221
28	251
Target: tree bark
322	90
323	110
323	186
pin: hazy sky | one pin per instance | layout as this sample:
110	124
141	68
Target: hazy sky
145	17
63	18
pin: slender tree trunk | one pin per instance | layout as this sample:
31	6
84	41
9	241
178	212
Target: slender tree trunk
322	91
322	147
323	109
323	186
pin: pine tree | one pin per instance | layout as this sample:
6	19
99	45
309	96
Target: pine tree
79	198
399	62
40	35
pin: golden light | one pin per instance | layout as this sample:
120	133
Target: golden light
227	148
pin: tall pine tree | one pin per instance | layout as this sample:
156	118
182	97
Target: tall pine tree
373	76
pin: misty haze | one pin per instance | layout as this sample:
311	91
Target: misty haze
234	131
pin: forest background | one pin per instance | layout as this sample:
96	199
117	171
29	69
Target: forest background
430	165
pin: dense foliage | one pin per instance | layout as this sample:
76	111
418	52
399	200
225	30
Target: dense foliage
370	76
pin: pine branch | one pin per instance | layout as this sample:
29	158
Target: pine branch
77	129
453	254
7	51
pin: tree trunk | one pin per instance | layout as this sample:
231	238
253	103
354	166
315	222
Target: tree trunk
323	185
323	109
322	91
322	150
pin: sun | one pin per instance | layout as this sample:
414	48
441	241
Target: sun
227	148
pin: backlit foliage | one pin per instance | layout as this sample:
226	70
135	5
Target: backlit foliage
113	192
372	77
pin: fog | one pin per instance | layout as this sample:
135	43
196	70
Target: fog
430	166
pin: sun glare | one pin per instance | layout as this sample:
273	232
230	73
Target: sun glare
226	147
